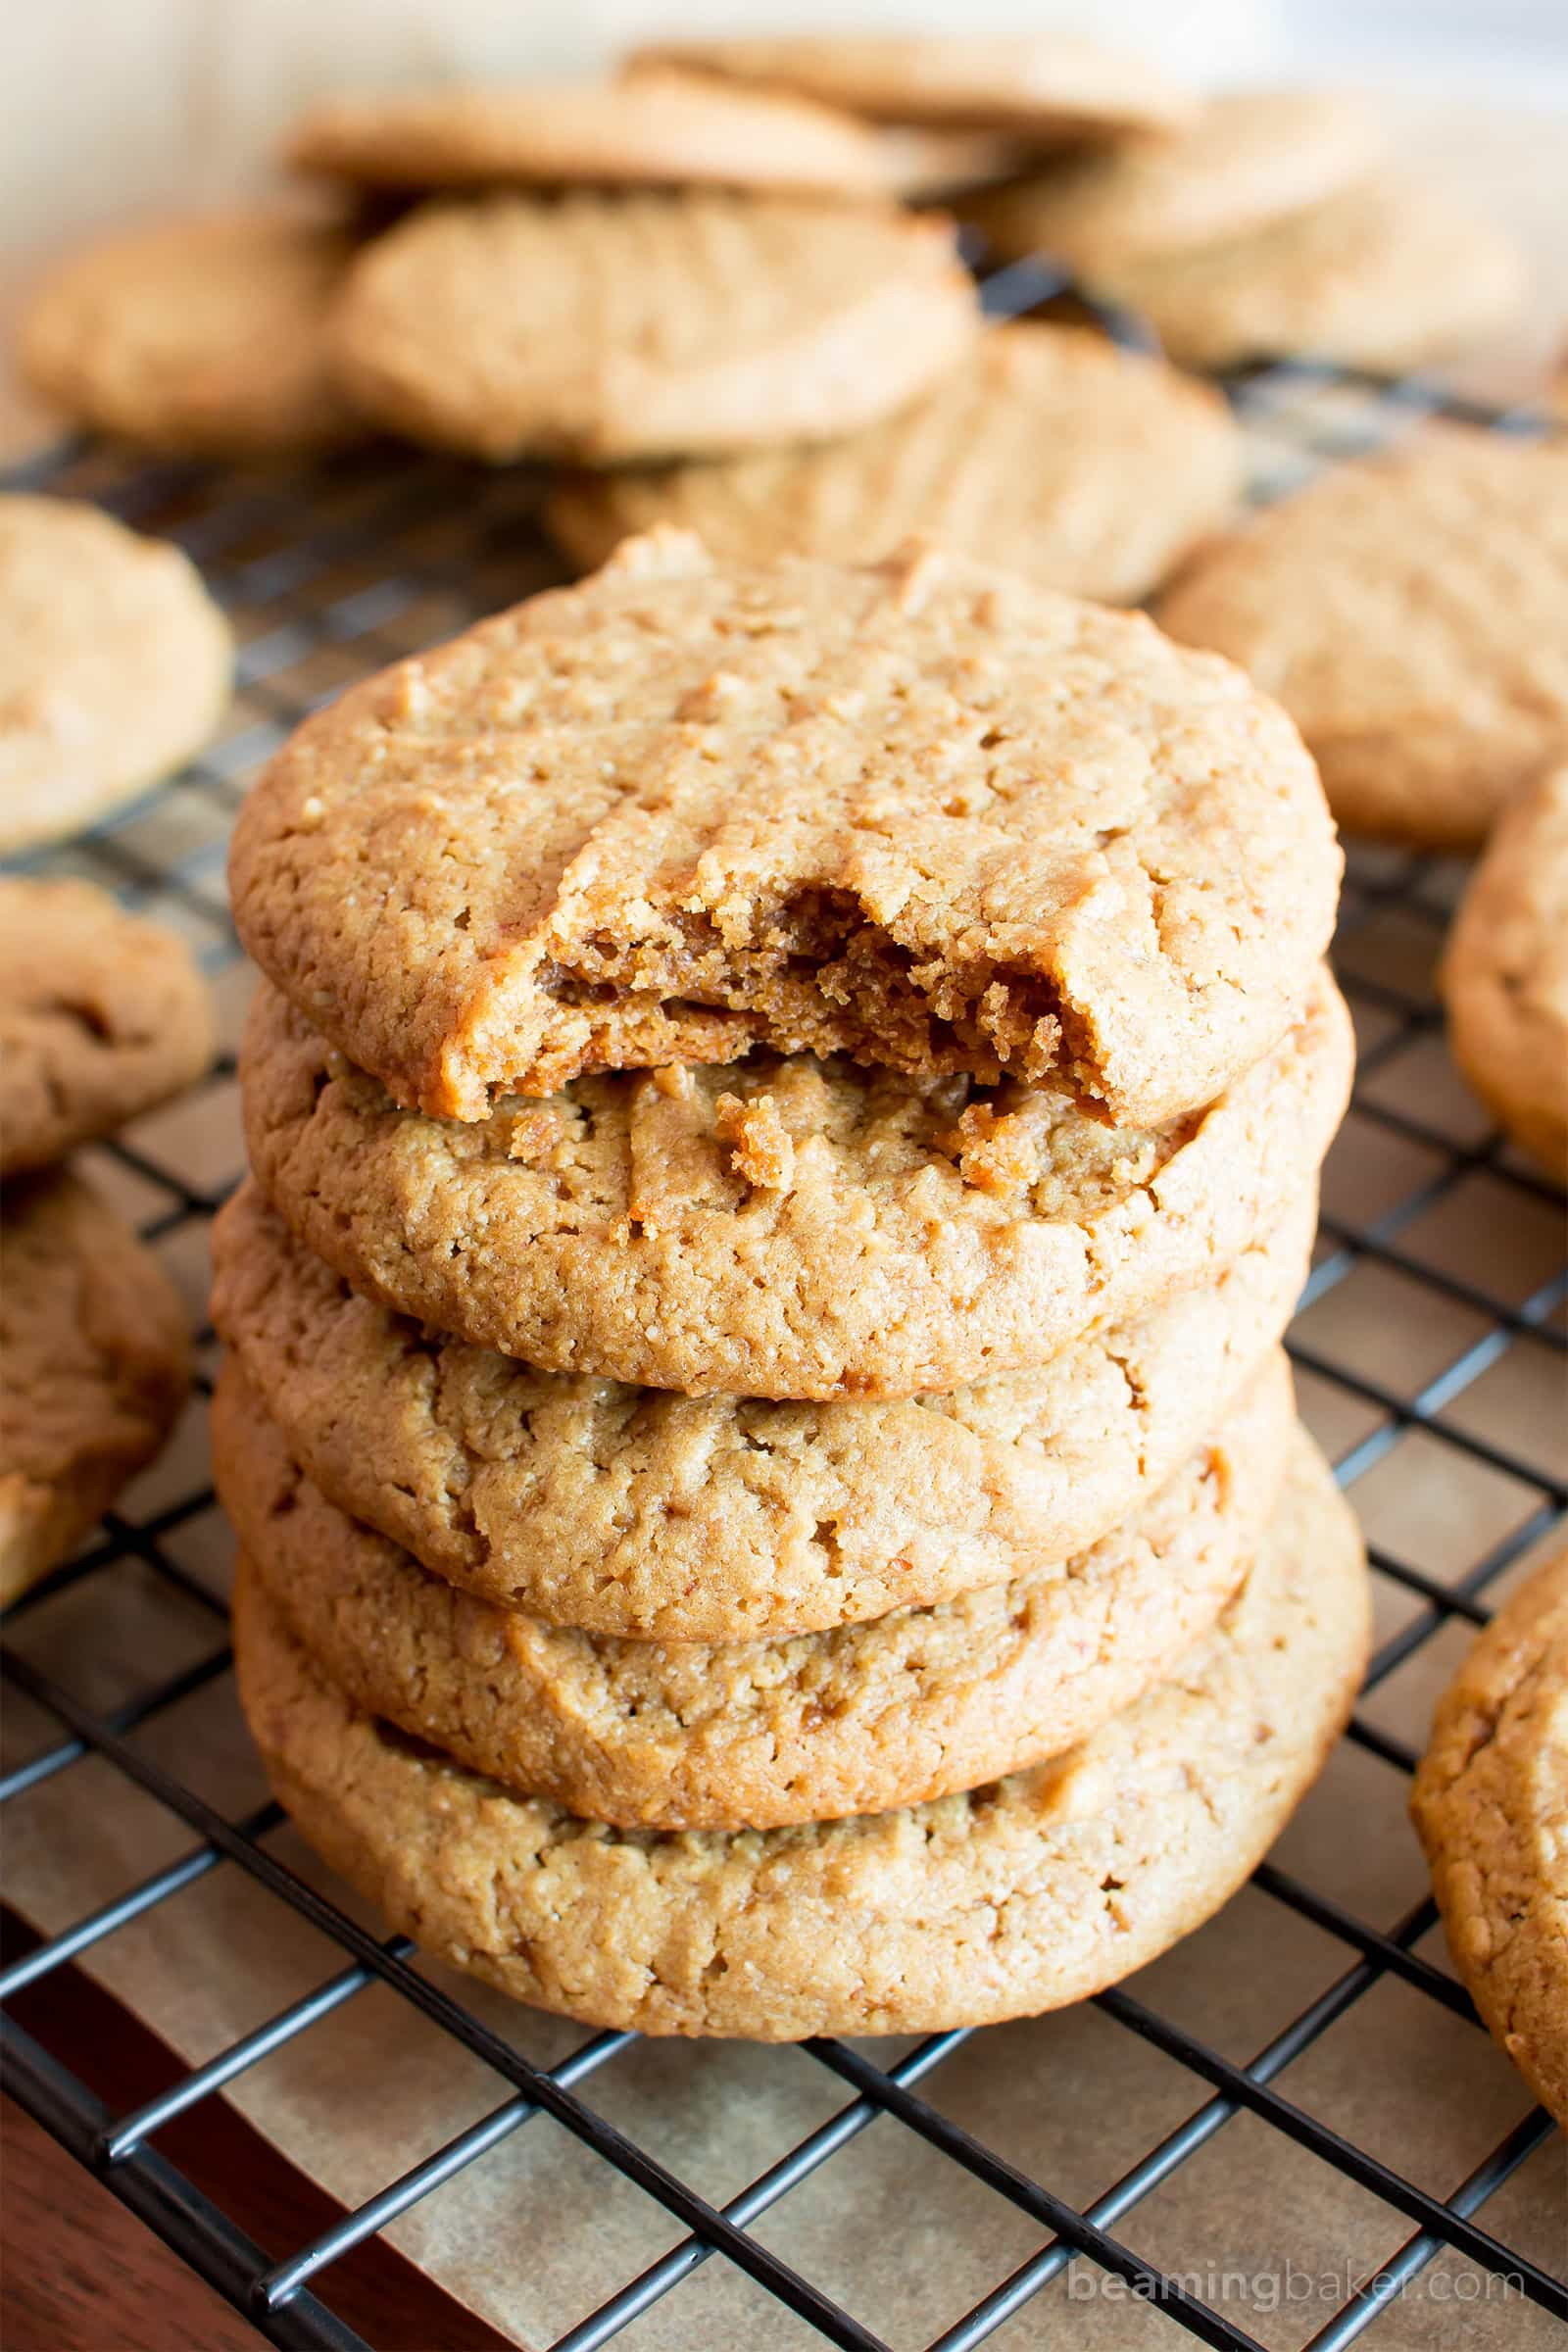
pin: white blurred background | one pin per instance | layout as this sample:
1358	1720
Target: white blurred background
108	105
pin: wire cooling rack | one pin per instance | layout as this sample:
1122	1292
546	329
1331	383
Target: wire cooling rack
1447	1376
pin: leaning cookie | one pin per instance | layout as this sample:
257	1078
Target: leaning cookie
1410	611
102	1017
115	665
1247	159
654	129
1048	452
1384	276
1040	87
788	1228
1490	1802
1504	974
1024	1896
203	335
610	327
96	1370
756	1735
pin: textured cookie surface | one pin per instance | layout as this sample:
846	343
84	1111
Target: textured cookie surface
647	326
1410	611
204	336
1384	276
92	1339
757	1735
779	1228
1249	158
101	1017
114	666
1049	453
1046	86
916	810
658	127
1027	1893
1490	1803
1505	974
637	1512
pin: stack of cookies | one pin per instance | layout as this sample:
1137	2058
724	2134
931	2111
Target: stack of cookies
784	1115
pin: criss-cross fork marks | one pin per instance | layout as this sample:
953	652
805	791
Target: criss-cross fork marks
331	578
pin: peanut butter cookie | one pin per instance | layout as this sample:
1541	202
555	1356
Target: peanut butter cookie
1384	276
1249	158
755	1734
205	336
1410	611
1020	1896
1046	87
608	328
1049	452
115	665
96	1367
779	1228
102	1017
641	1513
1504	974
651	129
918	811
1490	1803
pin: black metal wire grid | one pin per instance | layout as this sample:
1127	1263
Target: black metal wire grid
328	577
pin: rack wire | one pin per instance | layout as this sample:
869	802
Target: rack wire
329	575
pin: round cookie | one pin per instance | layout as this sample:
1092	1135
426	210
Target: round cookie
1504	975
640	1513
1046	87
658	128
779	1228
1049	452
1490	1804
115	665
1026	1894
609	328
205	336
1249	158
1410	611
756	1735
647	326
102	1017
96	1370
918	811
1384	276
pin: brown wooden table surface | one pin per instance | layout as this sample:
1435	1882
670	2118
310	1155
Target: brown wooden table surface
80	2273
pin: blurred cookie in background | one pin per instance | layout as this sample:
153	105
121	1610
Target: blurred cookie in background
1248	159
1047	451
97	1368
102	1017
1045	88
651	129
1386	277
607	327
1504	974
1410	611
115	665
203	335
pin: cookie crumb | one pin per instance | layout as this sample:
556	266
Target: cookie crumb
533	1136
764	1153
995	1151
